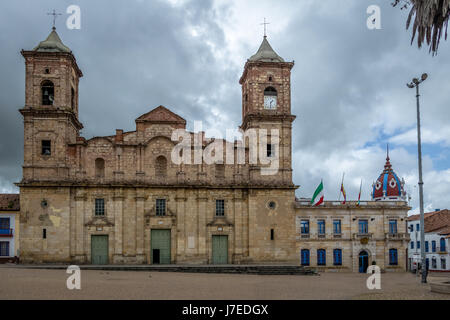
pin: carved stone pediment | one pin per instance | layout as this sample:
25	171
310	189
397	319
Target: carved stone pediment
220	221
152	213
161	115
99	221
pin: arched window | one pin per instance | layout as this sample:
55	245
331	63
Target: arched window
220	171
48	93
305	257
393	257
161	167
321	257
99	168
337	257
442	244
270	91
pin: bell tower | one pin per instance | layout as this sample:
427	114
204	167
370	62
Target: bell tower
51	109
266	104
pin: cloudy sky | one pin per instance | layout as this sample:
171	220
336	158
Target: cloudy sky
348	84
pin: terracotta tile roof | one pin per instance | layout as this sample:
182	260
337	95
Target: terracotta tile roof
438	222
9	202
417	216
445	231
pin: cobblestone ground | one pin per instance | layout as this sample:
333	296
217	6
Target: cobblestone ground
18	283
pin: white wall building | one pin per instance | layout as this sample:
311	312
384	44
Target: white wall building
9	227
437	239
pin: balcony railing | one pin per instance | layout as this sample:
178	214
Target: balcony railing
6	232
397	236
358	236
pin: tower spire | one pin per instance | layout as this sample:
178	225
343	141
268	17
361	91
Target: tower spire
265	29
388	165
55	15
387	151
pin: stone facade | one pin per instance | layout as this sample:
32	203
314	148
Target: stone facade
74	189
376	242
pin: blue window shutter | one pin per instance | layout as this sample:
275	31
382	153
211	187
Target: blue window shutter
321	257
393	260
442	245
337	254
305	257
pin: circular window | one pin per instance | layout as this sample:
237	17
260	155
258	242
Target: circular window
272	205
44	203
393	183
378	185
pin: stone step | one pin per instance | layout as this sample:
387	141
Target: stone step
233	269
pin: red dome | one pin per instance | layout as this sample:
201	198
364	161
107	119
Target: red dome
388	186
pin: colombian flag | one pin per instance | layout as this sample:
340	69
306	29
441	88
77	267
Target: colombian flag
343	193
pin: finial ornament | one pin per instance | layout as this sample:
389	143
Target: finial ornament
55	15
265	23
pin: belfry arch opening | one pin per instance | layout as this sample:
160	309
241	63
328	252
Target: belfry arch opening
48	93
270	91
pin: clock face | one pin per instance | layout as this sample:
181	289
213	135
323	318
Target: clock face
270	102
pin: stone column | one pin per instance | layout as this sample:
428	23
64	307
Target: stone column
238	226
118	226
181	224
202	201
80	199
140	201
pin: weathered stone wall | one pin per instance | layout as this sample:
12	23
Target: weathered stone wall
70	221
45	209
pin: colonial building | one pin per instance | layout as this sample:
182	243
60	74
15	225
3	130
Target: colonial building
354	235
9	227
437	240
122	198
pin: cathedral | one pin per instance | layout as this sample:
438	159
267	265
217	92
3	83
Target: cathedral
121	199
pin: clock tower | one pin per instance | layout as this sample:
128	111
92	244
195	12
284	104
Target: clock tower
266	104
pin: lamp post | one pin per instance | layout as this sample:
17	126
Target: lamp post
415	84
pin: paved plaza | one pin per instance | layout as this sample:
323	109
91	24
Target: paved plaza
24	283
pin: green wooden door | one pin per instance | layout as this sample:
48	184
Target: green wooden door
160	246
219	249
99	249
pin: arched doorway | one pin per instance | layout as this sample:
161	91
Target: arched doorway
363	261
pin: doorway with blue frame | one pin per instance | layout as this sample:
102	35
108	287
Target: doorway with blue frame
363	261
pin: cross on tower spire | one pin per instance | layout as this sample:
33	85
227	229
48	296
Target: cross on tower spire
265	24
55	15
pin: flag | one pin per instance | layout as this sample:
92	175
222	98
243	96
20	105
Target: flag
359	195
343	192
317	198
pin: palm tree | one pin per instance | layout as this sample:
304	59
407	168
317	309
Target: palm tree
430	20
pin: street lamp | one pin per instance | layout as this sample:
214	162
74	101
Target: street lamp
415	83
